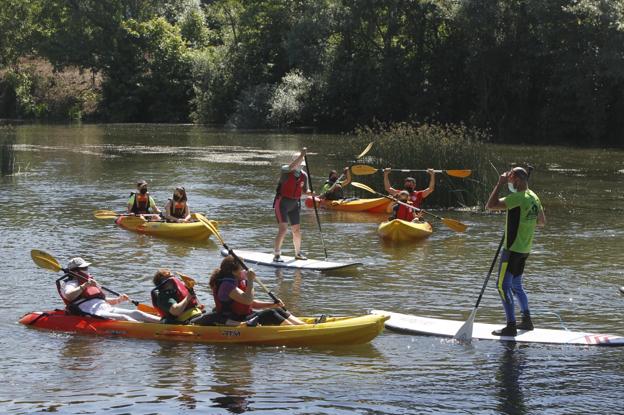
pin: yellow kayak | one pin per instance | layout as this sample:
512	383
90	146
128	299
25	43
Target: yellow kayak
377	205
398	230
192	231
336	330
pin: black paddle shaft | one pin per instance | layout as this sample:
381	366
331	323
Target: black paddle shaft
318	219
246	268
67	271
500	245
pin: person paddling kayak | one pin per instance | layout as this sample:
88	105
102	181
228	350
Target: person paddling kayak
177	209
233	292
287	204
524	212
83	296
176	302
333	189
141	203
409	185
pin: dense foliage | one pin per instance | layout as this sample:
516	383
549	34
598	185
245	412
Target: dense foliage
527	70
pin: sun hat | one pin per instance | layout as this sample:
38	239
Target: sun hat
77	262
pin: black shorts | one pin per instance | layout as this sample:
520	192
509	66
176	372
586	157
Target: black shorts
270	317
287	210
515	262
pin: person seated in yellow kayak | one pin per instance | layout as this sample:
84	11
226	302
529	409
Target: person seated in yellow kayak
233	292
403	212
177	209
82	295
409	185
333	187
176	303
141	203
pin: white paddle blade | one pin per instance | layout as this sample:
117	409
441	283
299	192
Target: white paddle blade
464	334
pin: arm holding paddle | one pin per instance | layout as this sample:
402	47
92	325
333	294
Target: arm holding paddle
386	175
494	203
431	187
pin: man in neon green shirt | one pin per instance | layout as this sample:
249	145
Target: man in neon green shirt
524	212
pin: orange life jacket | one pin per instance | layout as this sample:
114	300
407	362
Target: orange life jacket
88	293
141	203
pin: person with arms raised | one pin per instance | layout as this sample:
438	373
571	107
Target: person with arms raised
416	197
83	296
333	189
524	212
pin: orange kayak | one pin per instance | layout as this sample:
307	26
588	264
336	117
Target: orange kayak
377	205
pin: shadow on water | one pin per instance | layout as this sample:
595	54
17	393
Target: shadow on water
233	377
7	155
512	364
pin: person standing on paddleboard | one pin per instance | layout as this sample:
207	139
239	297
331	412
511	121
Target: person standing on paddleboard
524	212
287	204
409	184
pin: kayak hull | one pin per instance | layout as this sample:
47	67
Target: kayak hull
411	324
377	205
263	258
192	231
336	330
398	230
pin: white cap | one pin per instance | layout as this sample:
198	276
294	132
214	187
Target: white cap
77	263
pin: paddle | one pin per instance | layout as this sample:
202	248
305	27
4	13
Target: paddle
455	225
109	214
464	333
366	150
205	221
318	219
364	170
47	261
240	261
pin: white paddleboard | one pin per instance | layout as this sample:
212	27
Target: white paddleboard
406	323
262	258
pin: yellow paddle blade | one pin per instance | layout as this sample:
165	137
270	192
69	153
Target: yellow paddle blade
459	173
45	260
211	225
363	186
455	224
105	214
188	281
366	150
133	221
363	170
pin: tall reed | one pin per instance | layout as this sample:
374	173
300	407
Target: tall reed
410	145
7	154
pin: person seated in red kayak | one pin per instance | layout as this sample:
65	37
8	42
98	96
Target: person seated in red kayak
175	301
233	292
403	212
409	185
177	209
141	203
333	187
83	296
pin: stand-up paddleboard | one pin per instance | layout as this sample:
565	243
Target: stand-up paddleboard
406	323
262	258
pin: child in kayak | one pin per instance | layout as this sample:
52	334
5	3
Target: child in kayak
83	295
177	209
176	302
403	212
233	292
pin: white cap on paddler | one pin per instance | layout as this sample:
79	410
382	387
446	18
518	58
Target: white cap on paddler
77	262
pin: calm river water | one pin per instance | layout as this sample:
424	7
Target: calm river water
62	174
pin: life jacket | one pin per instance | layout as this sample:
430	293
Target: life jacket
88	293
292	187
416	197
404	213
141	203
177	209
180	292
336	194
230	308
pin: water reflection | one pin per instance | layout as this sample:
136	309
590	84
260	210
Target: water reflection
179	371
7	155
512	364
232	371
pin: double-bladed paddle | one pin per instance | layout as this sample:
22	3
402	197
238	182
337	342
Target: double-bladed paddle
455	225
364	170
109	214
236	257
47	261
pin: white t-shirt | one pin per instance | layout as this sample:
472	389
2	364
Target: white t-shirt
92	306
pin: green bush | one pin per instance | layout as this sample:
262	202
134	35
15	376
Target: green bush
288	102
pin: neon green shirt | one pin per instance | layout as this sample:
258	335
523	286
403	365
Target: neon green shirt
522	211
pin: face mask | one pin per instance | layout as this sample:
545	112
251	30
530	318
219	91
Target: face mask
143	190
511	187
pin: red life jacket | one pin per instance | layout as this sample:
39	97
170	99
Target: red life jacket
88	293
230	308
292	187
404	213
141	203
177	209
416	197
180	292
